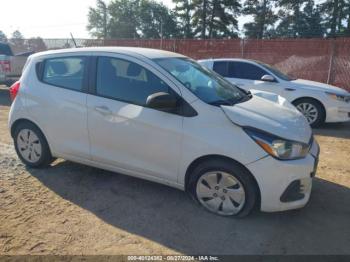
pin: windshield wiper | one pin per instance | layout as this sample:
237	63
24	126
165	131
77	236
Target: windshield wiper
244	98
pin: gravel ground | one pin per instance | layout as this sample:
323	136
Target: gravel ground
74	209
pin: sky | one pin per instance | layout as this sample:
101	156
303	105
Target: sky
53	18
50	18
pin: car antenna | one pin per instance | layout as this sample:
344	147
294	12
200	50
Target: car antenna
75	43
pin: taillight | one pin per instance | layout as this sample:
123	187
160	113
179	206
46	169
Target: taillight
14	90
5	66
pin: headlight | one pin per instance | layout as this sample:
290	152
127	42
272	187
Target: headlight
278	147
342	98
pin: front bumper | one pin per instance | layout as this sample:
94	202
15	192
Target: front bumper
285	185
337	112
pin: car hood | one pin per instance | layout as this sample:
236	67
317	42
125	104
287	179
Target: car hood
312	85
284	121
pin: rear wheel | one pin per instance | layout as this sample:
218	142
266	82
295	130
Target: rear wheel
312	110
31	145
224	188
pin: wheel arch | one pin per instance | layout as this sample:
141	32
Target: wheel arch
25	120
19	121
205	158
314	99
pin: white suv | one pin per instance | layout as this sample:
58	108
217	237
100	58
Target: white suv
317	101
161	116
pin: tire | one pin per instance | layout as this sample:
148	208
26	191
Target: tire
31	146
312	110
238	198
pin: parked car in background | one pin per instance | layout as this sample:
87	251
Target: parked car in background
11	65
317	101
161	116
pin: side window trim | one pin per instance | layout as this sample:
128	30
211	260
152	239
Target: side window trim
85	82
186	110
92	75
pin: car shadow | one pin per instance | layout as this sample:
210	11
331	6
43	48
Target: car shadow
4	97
340	130
169	217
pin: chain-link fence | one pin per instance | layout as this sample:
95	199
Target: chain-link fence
323	60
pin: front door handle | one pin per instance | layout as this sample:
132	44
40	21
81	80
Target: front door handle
289	89
104	110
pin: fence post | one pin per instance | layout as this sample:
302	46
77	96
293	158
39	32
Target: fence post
330	68
242	47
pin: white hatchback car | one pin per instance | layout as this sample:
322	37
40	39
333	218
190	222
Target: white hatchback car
317	101
163	117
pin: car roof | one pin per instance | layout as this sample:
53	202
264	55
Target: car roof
133	51
228	59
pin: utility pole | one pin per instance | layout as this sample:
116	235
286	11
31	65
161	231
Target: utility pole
104	7
161	34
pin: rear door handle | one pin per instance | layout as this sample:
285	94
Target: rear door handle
103	110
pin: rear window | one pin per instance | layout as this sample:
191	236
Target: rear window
66	72
5	49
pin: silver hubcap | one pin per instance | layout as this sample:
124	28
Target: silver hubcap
220	193
29	145
309	111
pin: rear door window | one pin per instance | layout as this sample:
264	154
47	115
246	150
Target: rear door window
66	72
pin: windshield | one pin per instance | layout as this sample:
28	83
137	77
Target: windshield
204	83
276	72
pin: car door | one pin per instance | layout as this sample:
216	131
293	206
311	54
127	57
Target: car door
57	103
123	131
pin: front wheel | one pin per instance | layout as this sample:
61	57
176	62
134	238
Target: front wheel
224	188
312	110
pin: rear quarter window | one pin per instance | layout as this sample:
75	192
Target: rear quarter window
66	72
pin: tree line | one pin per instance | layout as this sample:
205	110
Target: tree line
219	19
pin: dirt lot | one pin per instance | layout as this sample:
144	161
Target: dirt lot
73	209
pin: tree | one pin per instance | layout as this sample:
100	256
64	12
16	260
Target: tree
131	19
156	20
98	20
312	21
334	15
347	11
17	38
3	37
17	42
263	15
291	18
124	19
215	18
36	44
183	10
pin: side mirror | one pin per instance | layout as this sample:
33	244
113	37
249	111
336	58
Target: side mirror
268	78
162	101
